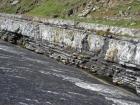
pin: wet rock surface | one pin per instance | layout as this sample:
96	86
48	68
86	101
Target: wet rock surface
27	78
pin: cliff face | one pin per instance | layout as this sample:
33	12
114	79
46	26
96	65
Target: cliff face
103	50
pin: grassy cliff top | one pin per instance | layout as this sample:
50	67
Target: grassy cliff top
124	13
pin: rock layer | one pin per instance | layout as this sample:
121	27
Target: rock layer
111	53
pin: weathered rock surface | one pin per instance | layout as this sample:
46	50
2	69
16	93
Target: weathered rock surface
87	9
79	44
27	78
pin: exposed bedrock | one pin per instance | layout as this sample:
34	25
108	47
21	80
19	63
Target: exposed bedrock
115	54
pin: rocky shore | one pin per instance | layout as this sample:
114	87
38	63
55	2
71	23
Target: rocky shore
103	50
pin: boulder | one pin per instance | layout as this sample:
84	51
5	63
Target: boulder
39	50
30	47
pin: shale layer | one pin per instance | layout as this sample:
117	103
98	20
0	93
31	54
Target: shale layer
107	51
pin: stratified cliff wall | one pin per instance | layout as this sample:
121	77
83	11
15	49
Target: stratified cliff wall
103	50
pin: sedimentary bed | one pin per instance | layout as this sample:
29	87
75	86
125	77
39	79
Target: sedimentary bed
107	51
27	78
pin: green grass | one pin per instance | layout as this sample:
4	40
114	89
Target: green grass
8	8
54	7
135	6
119	23
60	8
49	8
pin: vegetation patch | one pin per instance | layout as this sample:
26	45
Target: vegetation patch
120	13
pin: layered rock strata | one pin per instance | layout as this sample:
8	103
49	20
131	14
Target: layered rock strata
107	51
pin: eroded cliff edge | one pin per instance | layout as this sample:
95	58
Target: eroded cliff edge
104	50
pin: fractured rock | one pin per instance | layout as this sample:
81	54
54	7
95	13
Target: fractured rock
87	9
39	50
111	55
30	47
138	86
